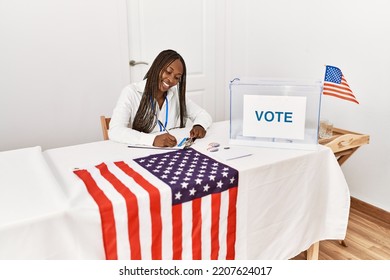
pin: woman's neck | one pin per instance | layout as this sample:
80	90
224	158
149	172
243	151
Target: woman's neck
160	97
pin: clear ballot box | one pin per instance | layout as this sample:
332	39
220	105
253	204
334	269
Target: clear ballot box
275	113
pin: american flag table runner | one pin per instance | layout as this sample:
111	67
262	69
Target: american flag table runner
175	205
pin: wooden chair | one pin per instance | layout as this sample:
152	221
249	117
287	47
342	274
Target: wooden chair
105	123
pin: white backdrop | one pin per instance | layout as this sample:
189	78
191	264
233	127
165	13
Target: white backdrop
63	63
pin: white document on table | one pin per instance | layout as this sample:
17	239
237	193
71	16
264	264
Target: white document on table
181	135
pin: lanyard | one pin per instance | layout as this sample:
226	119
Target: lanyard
166	115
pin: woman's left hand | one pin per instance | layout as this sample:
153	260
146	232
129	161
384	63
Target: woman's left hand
197	131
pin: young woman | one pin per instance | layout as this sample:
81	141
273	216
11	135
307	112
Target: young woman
157	104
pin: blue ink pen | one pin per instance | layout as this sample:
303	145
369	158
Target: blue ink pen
182	142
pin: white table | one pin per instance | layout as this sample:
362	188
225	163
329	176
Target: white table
287	200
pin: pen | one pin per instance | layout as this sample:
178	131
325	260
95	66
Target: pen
182	141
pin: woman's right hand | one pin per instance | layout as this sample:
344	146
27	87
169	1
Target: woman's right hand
165	140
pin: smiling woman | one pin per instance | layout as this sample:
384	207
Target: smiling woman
159	99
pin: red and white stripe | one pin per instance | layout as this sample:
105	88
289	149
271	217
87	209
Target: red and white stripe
139	222
342	90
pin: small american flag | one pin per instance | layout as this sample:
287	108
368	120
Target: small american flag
336	85
175	205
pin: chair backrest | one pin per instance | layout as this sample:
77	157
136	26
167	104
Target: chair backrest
105	123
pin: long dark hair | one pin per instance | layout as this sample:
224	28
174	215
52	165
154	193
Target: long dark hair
145	119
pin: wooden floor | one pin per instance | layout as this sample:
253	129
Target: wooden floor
368	238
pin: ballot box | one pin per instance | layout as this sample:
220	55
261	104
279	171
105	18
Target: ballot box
275	113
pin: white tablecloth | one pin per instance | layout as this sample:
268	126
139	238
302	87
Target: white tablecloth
287	200
33	209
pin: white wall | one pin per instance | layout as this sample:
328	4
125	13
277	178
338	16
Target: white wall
295	39
62	64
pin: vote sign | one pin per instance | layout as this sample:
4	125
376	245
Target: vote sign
274	116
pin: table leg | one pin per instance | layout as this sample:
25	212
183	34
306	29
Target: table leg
342	242
313	251
343	156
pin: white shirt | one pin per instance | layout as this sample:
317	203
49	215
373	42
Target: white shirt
120	129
